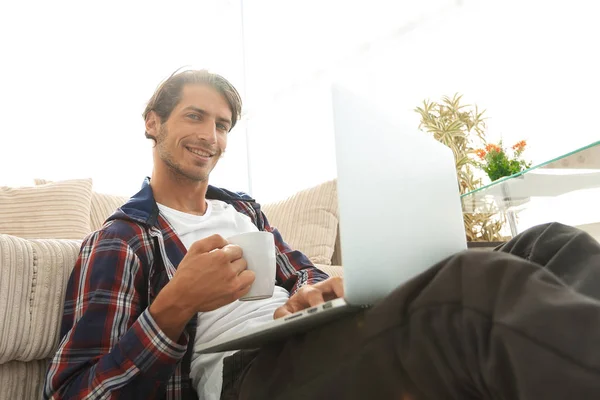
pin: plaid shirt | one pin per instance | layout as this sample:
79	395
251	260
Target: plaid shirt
111	346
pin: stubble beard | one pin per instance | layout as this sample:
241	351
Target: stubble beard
176	170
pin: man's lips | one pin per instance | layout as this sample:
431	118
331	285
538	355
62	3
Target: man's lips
200	152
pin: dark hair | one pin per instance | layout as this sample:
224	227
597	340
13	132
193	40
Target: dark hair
168	94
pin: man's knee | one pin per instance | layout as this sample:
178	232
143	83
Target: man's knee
554	228
548	230
541	237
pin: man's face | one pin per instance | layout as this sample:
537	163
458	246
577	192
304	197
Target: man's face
193	138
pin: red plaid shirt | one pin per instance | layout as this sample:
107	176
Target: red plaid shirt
111	346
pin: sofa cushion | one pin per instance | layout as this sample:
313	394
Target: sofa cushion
22	380
308	221
102	206
32	289
331	270
58	210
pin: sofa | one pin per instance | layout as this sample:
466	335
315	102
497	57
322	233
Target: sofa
41	230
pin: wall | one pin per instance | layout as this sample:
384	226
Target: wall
530	64
75	77
291	60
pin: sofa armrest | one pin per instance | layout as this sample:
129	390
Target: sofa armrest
331	270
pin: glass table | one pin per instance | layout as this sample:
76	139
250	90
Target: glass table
573	177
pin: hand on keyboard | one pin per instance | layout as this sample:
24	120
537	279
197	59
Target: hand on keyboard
312	295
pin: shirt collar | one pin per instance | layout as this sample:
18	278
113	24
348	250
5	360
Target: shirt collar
142	206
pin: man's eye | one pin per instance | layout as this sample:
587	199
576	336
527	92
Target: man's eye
222	127
194	116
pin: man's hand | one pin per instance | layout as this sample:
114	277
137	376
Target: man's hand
312	295
211	275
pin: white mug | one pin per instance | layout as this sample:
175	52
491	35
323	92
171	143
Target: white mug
259	253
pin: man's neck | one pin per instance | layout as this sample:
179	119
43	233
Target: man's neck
179	193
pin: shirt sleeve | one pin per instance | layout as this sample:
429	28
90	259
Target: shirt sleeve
294	269
111	346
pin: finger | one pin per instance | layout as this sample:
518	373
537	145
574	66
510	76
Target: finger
313	297
208	244
332	288
239	265
246	278
337	285
288	308
233	252
243	290
281	312
308	296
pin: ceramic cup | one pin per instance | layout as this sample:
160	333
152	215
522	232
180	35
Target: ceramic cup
259	253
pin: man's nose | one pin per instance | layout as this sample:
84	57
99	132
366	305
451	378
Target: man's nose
208	132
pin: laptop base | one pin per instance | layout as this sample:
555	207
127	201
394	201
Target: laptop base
281	328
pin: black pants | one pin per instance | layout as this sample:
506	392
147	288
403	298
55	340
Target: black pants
522	322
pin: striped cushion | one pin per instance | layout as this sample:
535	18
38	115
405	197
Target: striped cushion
103	205
22	380
53	260
33	281
331	270
308	221
58	210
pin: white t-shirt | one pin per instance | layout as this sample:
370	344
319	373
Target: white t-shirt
220	218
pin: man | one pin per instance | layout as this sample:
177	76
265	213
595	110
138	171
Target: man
478	325
134	295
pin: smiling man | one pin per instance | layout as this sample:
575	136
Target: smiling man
161	261
183	153
478	325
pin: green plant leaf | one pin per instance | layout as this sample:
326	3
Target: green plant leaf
459	126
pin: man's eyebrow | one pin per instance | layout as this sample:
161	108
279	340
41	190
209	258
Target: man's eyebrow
201	111
196	109
225	120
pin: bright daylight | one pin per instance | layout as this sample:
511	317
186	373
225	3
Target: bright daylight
253	199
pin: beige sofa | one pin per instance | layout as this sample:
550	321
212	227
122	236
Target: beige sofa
41	228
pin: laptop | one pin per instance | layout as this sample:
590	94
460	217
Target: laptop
399	210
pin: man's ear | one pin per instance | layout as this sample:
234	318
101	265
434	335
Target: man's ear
152	125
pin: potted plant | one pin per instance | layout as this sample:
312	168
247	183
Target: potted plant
462	128
497	162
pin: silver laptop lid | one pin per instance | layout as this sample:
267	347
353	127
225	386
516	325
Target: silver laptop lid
399	204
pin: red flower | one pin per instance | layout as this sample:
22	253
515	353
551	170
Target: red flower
493	147
519	146
480	153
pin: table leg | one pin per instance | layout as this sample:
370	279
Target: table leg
512	222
